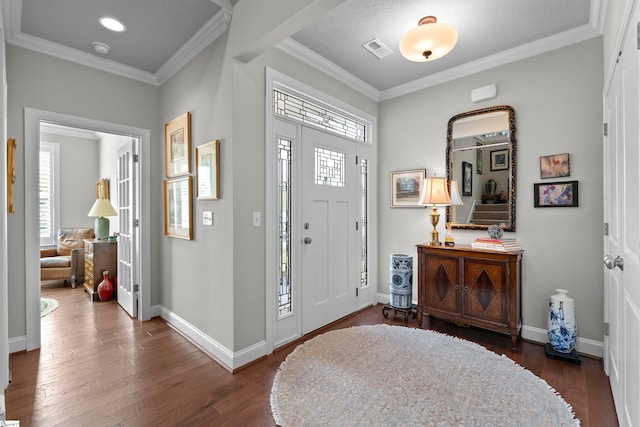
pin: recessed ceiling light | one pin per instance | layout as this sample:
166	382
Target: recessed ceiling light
101	47
112	24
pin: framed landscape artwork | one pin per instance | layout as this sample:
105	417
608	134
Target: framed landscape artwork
406	187
177	208
177	139
208	171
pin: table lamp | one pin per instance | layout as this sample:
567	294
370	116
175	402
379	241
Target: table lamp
102	208
436	194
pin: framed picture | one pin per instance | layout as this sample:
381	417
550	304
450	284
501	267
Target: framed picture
479	158
102	189
177	140
406	187
177	208
467	179
555	194
499	160
555	166
208	171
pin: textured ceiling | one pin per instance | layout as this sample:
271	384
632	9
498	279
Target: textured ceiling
156	29
159	32
484	28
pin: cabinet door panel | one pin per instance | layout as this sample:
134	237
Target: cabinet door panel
442	278
485	290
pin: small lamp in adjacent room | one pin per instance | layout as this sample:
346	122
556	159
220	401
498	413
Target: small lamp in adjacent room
100	209
436	194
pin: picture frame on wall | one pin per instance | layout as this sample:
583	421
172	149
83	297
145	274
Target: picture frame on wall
406	187
467	179
499	160
555	194
208	171
102	189
177	139
555	166
177	208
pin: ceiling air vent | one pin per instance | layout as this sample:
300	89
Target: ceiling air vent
377	48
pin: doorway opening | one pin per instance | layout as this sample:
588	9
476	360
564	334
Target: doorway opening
34	119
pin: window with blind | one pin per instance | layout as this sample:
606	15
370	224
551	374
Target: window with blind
49	183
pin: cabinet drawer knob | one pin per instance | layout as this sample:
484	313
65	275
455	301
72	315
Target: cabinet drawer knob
457	287
466	288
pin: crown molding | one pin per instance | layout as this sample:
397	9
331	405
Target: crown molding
528	50
213	29
306	55
217	25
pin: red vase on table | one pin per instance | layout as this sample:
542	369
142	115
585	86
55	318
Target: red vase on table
106	288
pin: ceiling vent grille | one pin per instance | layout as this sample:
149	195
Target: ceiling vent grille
377	48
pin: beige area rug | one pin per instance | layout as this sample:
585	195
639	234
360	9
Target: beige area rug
385	375
47	306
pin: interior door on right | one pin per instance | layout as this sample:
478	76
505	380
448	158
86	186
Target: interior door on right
622	239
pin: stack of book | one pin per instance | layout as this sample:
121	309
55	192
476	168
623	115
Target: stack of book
504	245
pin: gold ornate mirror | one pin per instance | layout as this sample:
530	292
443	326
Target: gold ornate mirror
481	158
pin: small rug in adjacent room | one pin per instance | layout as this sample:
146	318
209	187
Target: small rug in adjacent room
47	306
383	375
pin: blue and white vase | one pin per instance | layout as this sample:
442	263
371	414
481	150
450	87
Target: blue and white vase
561	323
400	280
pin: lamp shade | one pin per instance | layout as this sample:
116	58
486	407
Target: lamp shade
456	200
102	207
435	192
428	41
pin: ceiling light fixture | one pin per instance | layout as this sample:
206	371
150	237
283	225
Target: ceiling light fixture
101	47
428	41
112	24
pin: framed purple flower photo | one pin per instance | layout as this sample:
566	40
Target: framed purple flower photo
555	194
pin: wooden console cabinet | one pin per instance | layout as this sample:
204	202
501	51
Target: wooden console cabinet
99	256
471	287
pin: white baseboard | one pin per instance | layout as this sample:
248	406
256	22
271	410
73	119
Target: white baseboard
217	351
583	345
17	344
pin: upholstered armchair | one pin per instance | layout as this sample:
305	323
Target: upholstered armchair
66	260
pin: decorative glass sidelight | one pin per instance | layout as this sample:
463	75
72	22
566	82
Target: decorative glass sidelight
284	227
363	223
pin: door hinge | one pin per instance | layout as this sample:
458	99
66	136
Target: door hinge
136	287
606	228
357	291
638	35
356	160
135	158
605	129
606	328
356	225
136	223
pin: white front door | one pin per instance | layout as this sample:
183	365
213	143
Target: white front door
622	241
127	292
329	235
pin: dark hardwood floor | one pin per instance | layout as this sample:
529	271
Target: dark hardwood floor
98	367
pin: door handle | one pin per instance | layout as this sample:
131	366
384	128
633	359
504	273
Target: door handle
612	263
307	240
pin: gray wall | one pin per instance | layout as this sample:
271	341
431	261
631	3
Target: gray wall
216	282
557	97
78	174
43	82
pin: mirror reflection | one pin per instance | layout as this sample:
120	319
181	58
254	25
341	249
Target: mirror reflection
481	159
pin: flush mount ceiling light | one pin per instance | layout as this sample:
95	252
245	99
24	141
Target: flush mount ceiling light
112	24
428	41
101	47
